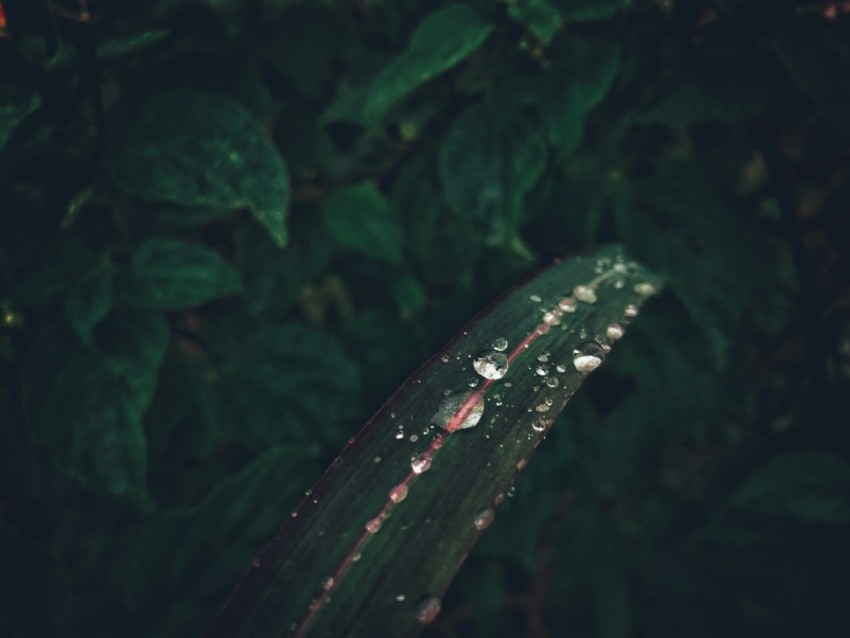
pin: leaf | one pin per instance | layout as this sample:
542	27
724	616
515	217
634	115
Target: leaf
132	43
15	105
88	302
811	485
591	10
440	42
538	16
355	560
362	219
579	84
282	384
487	164
87	406
200	150
170	274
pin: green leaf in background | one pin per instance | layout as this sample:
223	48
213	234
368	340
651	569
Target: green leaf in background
273	389
538	16
170	274
87	407
361	219
197	149
488	162
440	42
590	10
578	84
88	302
15	104
811	485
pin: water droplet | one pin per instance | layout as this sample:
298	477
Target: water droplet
448	416
584	293
377	459
497	399
500	344
400	598
520	465
500	498
551	318
444	358
614	331
294	514
543	357
561	368
399	434
645	288
631	311
255	562
398	493
428	609
552	382
511	491
327	583
414	438
356	557
620	266
568	304
373	525
483	518
587	356
619	284
542	328
420	463
472	382
491	365
542	407
536	298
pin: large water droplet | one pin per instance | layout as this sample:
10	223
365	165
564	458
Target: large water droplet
483	518
587	356
500	344
428	609
584	293
448	416
491	365
421	463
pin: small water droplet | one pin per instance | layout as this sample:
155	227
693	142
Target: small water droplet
428	609
542	407
414	438
620	266
497	399
584	293
552	382
377	459
542	369
356	557
511	491
398	493
619	284
255	562
491	365
483	518
399	434
327	583
561	368
421	463
294	514
444	358
587	356
551	318
536	298
400	598
542	328
543	357
500	344
520	465
472	382
448	415
568	304
614	331
645	288
500	498
631	311
373	525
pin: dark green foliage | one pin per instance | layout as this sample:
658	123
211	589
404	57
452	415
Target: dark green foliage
229	230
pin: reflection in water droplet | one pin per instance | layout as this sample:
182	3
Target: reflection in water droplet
466	402
584	293
614	331
398	493
500	344
587	356
421	463
428	609
373	525
567	304
631	311
483	518
552	382
491	365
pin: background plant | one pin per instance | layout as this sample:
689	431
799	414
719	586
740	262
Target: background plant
194	323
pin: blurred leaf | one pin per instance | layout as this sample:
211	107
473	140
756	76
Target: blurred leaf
488	162
538	16
362	219
87	406
197	149
409	295
440	42
15	105
170	274
590	10
281	385
119	46
811	485
88	302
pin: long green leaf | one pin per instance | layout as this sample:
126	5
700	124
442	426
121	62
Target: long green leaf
377	541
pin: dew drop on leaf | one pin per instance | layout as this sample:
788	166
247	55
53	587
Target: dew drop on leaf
584	293
428	609
542	370
373	525
420	463
552	382
614	331
631	311
459	411
645	288
567	304
491	365
536	298
398	493
483	518
500	344
588	356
